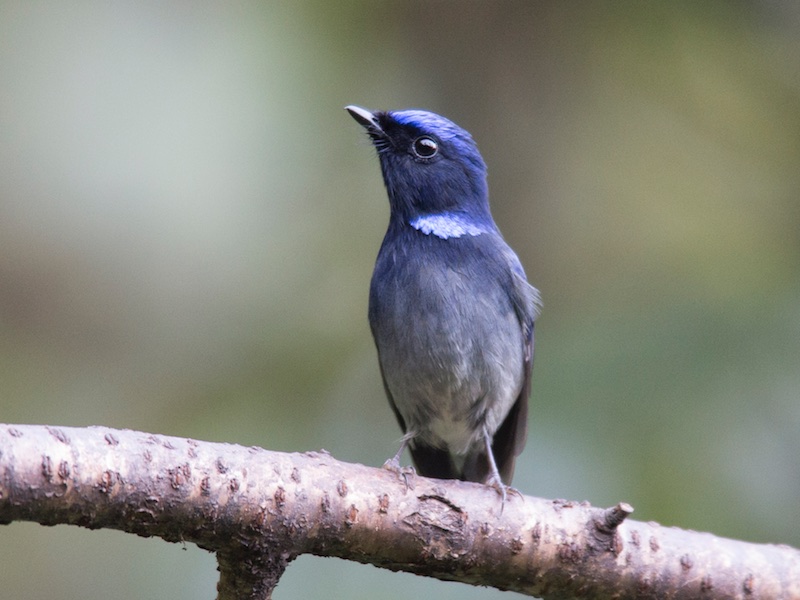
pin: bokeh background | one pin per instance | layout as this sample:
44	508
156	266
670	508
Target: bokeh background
188	223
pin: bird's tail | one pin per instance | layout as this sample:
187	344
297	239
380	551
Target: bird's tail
435	462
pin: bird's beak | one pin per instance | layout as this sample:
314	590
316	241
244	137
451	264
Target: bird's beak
365	118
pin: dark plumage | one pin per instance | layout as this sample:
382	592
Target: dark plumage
450	308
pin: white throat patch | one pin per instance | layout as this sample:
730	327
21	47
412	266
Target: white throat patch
446	225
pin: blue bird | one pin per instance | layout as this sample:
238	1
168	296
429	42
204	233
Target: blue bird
450	308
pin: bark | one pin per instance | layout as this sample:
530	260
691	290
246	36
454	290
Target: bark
258	510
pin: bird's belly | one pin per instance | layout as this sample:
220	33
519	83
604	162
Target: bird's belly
452	367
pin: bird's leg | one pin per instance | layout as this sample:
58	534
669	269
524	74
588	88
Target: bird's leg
494	479
393	464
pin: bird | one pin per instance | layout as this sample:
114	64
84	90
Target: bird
450	308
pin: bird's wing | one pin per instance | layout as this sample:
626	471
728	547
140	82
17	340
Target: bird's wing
396	412
509	440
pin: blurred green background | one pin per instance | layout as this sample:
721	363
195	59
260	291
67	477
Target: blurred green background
188	223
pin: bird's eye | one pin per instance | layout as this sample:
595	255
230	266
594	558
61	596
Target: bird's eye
425	147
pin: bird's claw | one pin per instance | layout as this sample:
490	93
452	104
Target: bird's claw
407	474
504	491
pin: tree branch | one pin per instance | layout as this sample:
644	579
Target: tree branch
258	510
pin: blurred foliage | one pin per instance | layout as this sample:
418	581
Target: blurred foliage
188	222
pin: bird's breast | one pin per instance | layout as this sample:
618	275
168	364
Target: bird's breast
449	343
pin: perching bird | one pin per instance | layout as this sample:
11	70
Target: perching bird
450	308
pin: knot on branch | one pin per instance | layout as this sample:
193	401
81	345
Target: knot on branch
604	527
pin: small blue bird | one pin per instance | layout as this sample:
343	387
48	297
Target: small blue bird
450	308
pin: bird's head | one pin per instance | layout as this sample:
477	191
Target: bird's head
430	165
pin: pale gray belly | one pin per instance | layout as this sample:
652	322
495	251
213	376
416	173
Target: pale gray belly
452	356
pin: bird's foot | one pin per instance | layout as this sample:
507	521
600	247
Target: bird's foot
407	474
502	489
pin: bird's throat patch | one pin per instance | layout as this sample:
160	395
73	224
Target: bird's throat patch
446	225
